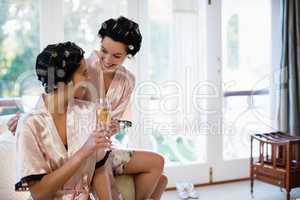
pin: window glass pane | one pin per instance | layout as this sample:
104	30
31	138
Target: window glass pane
246	42
83	19
247	58
175	63
19	46
160	16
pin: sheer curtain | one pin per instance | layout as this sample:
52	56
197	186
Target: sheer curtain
174	68
187	59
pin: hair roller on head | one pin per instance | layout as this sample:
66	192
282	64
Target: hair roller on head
57	63
122	30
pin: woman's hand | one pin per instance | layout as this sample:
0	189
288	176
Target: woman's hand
13	122
97	140
114	127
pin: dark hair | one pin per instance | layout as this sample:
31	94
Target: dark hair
123	30
57	63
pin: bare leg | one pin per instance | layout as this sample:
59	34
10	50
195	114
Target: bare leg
160	187
102	184
147	168
114	187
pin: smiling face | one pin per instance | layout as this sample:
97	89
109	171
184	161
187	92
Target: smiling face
112	53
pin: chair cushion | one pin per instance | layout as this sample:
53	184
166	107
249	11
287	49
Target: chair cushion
8	169
126	186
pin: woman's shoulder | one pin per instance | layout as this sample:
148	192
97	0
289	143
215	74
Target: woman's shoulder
36	116
128	75
29	122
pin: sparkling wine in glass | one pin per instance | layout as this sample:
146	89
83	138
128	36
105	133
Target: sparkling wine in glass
103	114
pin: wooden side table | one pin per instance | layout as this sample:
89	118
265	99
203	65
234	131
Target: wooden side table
278	162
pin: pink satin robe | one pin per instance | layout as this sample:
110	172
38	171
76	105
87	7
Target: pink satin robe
120	90
41	151
118	94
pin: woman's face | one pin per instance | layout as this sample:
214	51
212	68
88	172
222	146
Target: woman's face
80	78
112	53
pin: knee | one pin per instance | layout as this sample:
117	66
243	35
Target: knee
159	162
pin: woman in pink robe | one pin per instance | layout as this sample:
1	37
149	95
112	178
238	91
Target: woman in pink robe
58	150
121	38
118	93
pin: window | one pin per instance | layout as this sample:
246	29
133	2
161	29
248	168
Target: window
19	46
247	67
175	37
232	47
160	20
83	19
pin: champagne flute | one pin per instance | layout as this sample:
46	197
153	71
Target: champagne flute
103	112
103	116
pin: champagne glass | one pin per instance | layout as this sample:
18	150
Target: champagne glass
103	114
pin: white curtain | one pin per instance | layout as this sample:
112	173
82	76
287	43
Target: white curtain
187	60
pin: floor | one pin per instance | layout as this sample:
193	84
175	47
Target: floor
238	191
